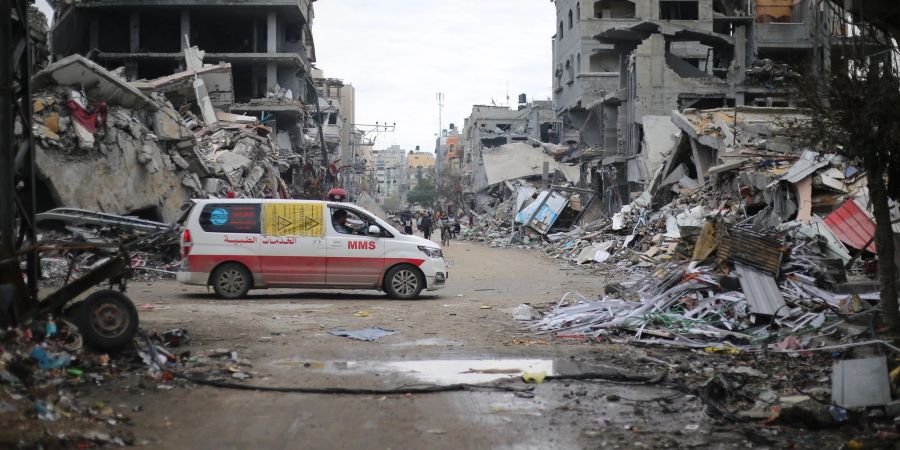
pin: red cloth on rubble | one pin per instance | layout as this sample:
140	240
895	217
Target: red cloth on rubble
89	120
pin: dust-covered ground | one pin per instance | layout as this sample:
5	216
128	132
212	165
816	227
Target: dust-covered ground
464	333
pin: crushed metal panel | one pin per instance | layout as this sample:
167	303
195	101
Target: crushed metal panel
763	294
857	383
551	204
98	83
852	226
808	164
758	250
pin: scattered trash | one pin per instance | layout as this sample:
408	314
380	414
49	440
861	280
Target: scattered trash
361	314
523	312
177	337
366	334
534	377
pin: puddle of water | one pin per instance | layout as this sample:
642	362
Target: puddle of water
446	371
427	342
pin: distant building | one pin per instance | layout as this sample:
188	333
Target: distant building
419	167
390	172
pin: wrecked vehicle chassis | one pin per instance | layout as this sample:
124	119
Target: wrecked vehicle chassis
107	319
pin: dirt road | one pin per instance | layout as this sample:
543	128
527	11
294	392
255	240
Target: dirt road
462	334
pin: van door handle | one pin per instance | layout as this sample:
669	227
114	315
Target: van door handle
337	244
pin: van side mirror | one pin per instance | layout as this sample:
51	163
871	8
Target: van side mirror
374	230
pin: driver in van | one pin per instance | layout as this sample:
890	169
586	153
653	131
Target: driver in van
339	219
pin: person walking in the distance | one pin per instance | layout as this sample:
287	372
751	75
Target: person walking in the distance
427	225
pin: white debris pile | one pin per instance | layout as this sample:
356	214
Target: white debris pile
696	307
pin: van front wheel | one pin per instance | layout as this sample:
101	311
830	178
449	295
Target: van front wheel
404	282
231	281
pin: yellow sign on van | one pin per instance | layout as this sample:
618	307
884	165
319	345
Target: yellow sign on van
294	219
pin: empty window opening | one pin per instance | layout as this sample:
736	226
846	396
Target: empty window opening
114	32
614	9
678	10
560	30
571	21
160	31
206	33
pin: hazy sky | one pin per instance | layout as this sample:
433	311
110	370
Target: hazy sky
400	53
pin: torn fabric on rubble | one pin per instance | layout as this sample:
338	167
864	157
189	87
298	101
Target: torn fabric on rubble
89	120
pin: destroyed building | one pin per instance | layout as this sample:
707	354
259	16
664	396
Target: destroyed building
330	113
486	127
621	67
267	43
262	54
532	125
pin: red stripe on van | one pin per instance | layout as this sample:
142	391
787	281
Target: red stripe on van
206	263
296	264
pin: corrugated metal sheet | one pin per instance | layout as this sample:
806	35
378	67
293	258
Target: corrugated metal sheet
762	251
808	163
852	226
763	294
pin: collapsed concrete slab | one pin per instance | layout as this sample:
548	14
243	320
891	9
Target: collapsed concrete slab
125	171
519	160
97	82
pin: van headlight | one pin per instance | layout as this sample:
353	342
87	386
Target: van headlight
432	252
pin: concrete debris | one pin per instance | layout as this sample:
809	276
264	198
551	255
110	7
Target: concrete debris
735	243
128	149
859	383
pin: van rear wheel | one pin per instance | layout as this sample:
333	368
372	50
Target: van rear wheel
231	281
404	282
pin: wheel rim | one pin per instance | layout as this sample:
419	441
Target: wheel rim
405	282
231	281
110	320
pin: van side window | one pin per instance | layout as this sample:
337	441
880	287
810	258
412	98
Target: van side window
231	218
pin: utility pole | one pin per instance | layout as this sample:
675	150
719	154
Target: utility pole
440	102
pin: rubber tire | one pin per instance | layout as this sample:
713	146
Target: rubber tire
98	339
389	285
227	267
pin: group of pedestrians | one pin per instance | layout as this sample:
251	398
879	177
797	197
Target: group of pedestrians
427	222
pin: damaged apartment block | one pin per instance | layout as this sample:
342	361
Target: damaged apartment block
621	67
258	57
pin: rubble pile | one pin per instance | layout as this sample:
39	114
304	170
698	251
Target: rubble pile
770	74
702	269
243	159
88	138
770	249
74	242
44	369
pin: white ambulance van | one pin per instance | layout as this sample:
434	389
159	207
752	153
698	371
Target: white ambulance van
238	245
